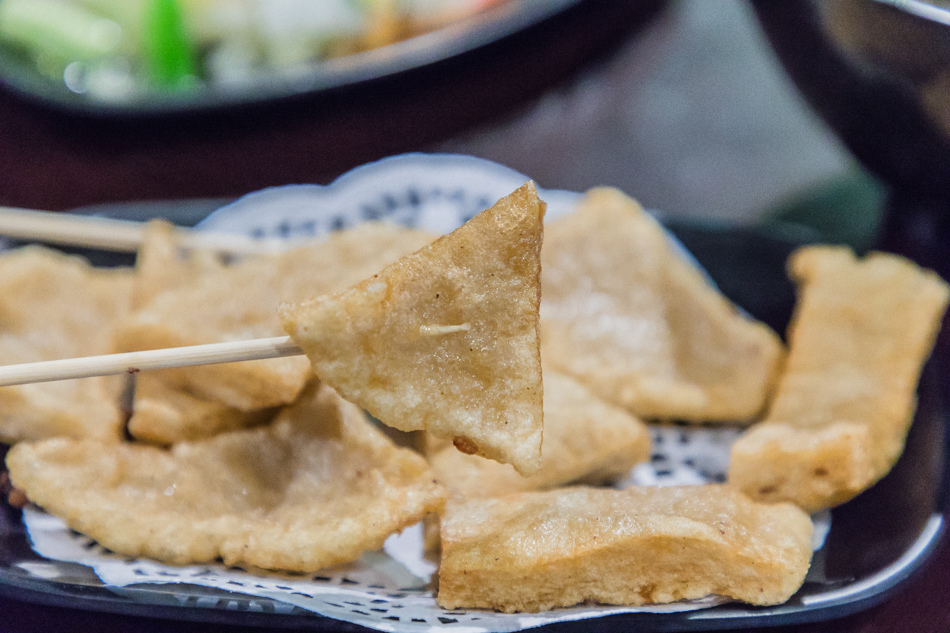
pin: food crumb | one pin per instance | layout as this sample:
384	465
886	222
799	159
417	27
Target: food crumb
465	445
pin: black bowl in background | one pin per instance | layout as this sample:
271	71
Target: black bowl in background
873	72
879	76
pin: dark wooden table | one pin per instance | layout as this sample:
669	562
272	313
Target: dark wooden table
50	160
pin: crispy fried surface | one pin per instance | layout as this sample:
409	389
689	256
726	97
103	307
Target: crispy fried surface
446	339
316	488
165	414
584	439
635	321
539	550
165	411
240	302
861	332
161	265
54	306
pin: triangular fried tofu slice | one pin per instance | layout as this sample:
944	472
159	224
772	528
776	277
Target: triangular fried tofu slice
585	440
535	551
317	488
445	339
861	332
240	302
56	306
631	317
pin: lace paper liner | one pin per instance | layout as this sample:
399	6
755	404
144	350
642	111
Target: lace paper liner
389	590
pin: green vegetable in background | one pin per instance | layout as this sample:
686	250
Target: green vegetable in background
168	56
120	50
57	32
150	34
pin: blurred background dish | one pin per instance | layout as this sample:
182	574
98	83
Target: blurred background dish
128	51
878	72
152	57
61	150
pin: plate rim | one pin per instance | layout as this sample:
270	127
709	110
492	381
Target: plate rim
450	41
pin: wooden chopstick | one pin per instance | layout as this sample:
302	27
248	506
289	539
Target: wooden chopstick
122	236
133	362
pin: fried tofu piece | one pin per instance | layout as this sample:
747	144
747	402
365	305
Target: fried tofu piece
164	412
632	318
860	335
55	306
240	303
535	551
317	488
445	339
161	265
585	439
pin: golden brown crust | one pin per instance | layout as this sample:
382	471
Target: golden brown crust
585	438
165	414
861	332
161	265
540	550
815	468
445	339
633	319
316	488
55	306
191	301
